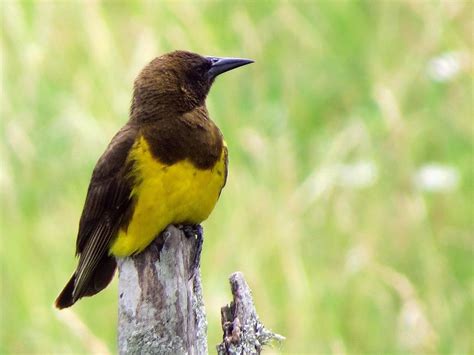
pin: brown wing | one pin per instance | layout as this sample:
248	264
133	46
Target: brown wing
107	202
226	165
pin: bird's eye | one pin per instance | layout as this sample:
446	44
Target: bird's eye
201	69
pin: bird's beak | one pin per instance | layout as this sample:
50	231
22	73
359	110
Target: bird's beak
221	65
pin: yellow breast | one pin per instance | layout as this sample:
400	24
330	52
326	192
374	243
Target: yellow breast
167	194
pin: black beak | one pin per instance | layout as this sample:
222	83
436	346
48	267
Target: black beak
221	65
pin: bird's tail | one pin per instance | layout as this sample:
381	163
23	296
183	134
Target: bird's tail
102	276
65	299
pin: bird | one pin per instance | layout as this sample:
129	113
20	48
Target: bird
166	165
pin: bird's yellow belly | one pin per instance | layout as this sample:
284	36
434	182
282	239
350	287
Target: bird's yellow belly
167	194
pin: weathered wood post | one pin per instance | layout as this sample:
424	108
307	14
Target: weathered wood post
161	309
244	333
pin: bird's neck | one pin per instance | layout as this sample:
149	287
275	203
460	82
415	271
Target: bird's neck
191	136
151	105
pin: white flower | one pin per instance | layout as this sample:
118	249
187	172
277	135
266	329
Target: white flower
436	177
444	67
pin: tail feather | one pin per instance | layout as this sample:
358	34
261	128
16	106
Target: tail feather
65	299
102	276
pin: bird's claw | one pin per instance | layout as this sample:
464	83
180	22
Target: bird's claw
191	230
194	231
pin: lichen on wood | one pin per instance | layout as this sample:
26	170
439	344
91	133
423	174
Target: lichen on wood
243	331
161	308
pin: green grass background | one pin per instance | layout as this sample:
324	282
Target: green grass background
383	269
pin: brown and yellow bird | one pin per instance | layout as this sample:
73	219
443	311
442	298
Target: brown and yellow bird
167	165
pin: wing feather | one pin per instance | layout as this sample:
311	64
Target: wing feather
108	198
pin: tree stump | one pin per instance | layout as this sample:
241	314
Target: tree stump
243	331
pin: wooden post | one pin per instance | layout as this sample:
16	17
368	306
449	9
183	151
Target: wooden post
161	308
243	331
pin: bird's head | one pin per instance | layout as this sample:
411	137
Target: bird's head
179	81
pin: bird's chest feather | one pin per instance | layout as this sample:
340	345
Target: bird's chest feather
167	193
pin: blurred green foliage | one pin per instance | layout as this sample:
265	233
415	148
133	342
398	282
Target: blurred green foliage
345	253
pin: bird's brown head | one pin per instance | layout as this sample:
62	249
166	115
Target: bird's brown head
177	82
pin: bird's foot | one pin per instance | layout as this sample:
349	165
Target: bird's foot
194	231
191	230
